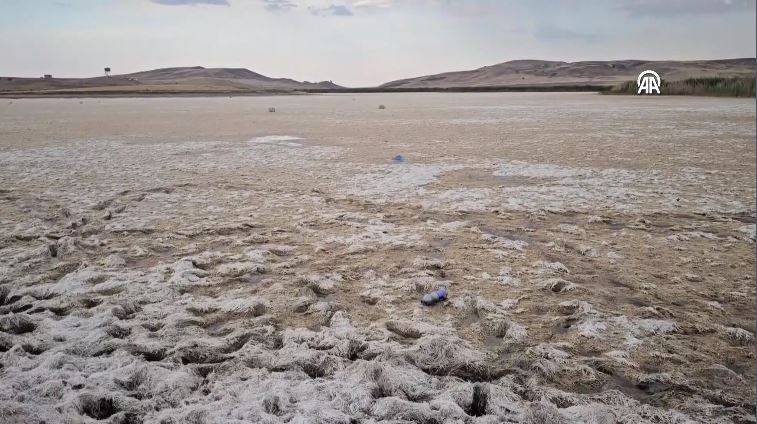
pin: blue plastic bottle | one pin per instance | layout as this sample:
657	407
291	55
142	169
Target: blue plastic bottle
434	297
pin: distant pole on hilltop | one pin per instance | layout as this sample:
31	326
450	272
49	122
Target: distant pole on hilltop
107	72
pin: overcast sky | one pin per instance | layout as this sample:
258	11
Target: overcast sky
359	42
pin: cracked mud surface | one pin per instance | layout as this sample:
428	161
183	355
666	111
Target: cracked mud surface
203	260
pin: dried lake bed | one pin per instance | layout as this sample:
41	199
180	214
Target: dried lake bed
204	260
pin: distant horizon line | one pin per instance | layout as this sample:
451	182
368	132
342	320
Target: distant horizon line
403	78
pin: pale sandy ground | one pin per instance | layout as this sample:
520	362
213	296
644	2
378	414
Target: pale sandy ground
204	260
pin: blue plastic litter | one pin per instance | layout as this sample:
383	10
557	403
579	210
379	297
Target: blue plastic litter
436	296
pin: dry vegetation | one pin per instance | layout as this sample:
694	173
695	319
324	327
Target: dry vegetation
719	87
165	81
588	73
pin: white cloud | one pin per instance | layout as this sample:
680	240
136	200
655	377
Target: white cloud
191	2
381	4
673	8
278	6
334	10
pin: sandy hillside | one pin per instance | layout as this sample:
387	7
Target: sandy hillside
540	72
201	260
182	79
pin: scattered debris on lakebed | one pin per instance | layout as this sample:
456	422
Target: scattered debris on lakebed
279	278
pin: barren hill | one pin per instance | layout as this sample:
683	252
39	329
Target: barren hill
196	79
542	72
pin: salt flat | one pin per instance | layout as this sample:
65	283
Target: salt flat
204	260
